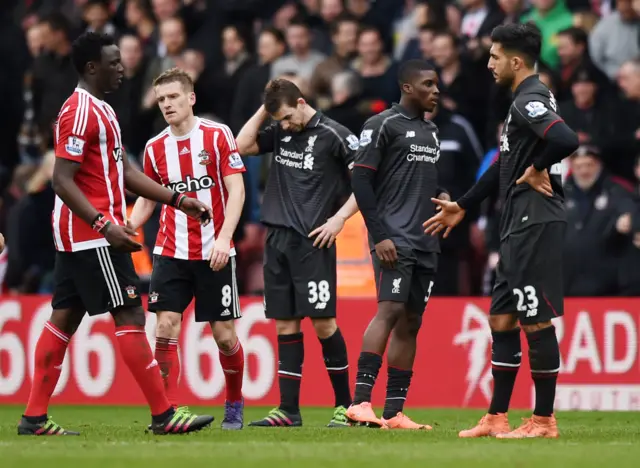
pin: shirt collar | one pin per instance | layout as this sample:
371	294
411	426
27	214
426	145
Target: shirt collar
406	113
526	82
314	121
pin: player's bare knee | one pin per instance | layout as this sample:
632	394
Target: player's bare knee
390	312
533	327
325	327
225	334
287	327
67	320
168	324
505	322
414	322
131	316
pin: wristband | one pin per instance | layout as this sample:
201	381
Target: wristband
100	223
177	199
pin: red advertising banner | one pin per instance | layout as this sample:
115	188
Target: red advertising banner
598	340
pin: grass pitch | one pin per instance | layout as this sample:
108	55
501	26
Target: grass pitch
115	437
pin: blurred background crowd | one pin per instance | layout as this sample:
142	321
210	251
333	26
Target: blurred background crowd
344	55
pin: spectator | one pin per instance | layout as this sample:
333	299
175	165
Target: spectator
551	16
598	223
460	155
589	112
54	77
32	252
302	60
346	91
625	144
377	70
96	14
614	40
462	90
126	101
573	54
629	272
329	11
344	34
165	9
512	10
138	16
173	39
425	41
248	98
478	21
229	74
376	14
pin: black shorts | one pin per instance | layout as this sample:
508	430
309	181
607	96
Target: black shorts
529	278
299	279
410	281
98	280
175	282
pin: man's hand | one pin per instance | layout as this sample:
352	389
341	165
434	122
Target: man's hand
196	209
1	243
219	255
327	233
443	196
538	181
623	224
386	252
119	238
448	216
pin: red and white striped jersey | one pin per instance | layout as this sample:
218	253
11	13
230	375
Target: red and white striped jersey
87	131
196	165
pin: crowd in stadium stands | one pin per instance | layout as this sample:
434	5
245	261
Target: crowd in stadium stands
344	55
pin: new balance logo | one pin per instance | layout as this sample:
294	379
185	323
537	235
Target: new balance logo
226	313
286	139
321	305
396	286
410	134
184	151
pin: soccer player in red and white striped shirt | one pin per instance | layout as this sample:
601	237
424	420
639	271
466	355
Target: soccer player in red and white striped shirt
198	158
94	272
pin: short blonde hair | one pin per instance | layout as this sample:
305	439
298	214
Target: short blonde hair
173	75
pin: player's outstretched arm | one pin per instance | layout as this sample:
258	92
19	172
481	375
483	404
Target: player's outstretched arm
64	185
142	211
142	185
247	139
328	232
219	256
451	213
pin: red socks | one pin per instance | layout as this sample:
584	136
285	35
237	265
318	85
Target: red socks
48	358
137	354
169	362
232	362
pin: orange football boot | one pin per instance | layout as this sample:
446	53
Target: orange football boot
490	425
363	414
402	421
536	426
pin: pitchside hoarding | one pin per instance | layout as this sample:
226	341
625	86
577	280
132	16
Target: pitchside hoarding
598	340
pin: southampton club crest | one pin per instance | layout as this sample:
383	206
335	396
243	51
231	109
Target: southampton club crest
204	157
131	292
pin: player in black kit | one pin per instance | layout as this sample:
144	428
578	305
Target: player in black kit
393	179
528	287
312	159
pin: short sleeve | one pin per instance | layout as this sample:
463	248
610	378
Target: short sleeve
73	132
537	112
149	164
230	160
266	139
347	145
370	146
